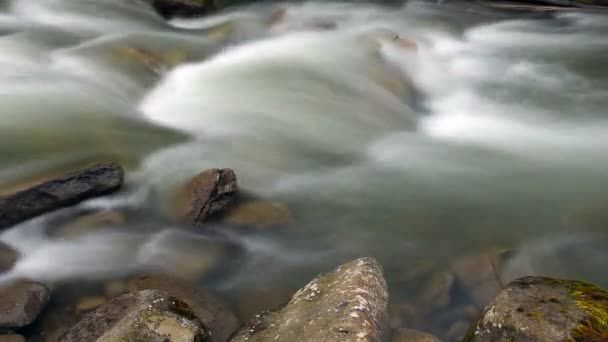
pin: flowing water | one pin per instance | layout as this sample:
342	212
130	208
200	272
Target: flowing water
473	129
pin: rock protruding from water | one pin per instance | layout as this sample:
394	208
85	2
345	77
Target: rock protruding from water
183	8
209	309
544	309
206	195
148	315
347	304
74	187
21	302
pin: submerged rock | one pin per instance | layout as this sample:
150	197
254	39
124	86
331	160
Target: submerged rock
259	214
479	275
210	310
8	257
148	315
544	309
12	338
74	187
21	303
410	335
91	222
347	304
205	195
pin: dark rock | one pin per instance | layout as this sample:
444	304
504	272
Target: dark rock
12	338
410	335
148	315
8	257
347	304
209	309
544	309
206	195
20	304
183	8
74	187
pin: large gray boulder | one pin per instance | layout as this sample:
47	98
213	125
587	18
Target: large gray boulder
344	305
148	315
544	309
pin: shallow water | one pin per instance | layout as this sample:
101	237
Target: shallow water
492	132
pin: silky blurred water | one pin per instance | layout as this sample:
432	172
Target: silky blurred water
491	131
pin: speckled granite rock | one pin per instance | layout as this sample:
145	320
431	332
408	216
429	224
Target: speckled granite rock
347	304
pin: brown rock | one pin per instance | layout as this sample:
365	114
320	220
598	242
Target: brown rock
148	315
12	338
205	195
544	309
457	330
347	304
20	304
74	187
436	293
260	214
411	335
210	310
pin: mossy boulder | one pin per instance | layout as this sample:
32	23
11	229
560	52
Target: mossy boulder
208	308
344	305
148	315
544	309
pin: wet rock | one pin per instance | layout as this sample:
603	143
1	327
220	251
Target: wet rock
347	304
148	315
20	304
410	335
479	275
205	195
12	338
544	309
74	187
8	257
210	310
183	8
260	214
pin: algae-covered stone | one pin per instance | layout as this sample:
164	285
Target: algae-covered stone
347	304
544	309
209	309
148	315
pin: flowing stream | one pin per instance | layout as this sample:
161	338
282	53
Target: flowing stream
416	134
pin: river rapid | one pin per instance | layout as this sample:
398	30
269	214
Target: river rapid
416	134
